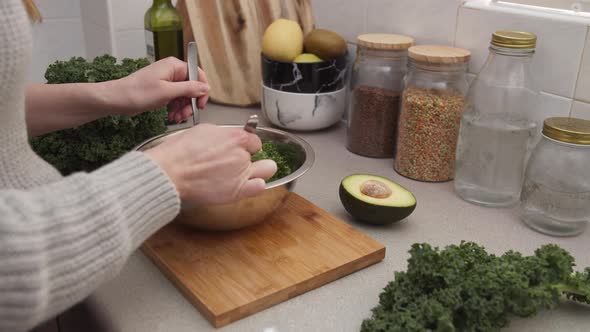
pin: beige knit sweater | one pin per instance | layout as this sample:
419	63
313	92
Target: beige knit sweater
62	237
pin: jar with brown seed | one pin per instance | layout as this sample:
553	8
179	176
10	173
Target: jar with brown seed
432	102
375	89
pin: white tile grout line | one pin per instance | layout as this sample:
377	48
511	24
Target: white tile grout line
572	100
584	50
564	97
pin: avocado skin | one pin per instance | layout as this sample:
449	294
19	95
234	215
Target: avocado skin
372	214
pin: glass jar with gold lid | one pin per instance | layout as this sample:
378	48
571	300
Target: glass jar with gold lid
555	197
498	128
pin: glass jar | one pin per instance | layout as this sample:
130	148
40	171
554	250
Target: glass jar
375	88
498	130
432	103
555	196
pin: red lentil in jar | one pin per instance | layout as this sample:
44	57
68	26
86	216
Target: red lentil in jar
376	86
432	103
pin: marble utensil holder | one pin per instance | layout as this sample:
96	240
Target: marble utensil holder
312	77
303	111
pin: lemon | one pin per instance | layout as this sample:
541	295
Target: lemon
282	40
307	57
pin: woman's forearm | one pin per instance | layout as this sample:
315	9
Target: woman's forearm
51	107
60	241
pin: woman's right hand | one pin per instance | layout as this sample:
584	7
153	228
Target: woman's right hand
211	165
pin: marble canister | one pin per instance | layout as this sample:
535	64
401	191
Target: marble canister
313	77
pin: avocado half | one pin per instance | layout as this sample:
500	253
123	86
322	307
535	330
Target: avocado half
375	199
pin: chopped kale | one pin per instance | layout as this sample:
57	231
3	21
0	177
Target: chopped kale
288	157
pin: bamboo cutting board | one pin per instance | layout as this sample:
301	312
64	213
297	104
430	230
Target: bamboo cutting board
229	36
231	275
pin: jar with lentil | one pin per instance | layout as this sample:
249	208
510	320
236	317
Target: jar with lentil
433	100
375	89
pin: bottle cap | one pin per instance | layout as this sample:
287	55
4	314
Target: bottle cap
514	39
568	130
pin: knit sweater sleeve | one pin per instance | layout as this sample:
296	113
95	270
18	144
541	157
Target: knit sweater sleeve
58	242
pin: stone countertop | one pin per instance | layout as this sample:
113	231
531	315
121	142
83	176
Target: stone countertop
142	299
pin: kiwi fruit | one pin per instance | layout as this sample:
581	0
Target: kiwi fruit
325	44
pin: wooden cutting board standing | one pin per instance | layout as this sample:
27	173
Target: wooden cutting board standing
231	275
229	36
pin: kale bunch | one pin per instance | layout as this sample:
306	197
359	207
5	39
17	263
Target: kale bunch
463	288
87	147
287	156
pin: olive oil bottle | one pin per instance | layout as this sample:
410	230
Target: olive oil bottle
163	31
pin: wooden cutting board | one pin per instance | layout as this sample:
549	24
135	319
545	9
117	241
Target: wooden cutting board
229	36
231	275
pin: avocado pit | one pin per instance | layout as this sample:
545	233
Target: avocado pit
375	189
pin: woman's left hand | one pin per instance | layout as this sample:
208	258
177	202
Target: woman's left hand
162	83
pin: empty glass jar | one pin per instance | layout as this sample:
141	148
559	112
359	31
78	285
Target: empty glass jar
555	197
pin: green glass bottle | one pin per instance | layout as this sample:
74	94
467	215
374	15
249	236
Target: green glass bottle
163	31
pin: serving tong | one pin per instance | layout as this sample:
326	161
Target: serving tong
193	75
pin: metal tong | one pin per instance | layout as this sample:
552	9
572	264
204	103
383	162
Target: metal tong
251	124
193	75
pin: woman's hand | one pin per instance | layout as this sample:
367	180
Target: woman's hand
51	107
211	165
162	83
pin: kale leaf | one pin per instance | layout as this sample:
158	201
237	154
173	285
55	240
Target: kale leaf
90	146
463	288
287	156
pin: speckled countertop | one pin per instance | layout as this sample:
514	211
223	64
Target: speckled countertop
142	299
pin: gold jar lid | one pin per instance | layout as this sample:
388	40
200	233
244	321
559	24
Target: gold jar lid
569	130
385	41
437	54
514	39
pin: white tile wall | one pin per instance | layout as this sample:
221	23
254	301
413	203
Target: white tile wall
59	8
552	105
97	12
128	14
344	16
581	110
97	40
58	37
429	22
583	86
115	27
128	27
559	46
130	44
98	36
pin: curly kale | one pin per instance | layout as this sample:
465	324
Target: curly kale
287	156
463	288
94	144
